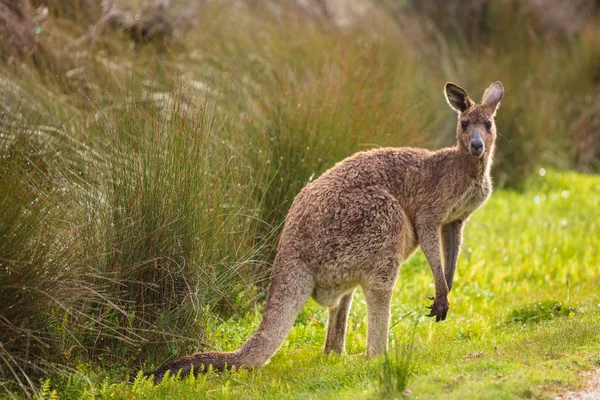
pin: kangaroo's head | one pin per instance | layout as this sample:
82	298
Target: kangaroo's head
476	130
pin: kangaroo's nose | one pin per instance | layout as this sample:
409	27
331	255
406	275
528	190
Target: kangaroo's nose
477	144
477	147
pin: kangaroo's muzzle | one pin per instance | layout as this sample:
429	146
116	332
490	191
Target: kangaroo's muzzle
477	147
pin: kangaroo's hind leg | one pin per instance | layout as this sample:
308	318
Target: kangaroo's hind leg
337	324
378	294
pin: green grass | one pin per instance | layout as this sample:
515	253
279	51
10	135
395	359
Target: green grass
524	320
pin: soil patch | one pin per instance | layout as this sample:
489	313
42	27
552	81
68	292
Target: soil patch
589	391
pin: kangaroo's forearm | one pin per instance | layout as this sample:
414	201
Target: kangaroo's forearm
430	244
451	242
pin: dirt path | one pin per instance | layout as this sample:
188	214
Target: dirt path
590	390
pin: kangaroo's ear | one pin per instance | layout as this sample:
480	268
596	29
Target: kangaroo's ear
493	95
457	97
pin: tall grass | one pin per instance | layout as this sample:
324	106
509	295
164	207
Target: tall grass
178	212
124	231
142	191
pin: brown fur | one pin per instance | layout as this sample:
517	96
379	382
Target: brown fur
356	223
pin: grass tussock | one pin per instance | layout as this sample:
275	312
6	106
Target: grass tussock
397	366
143	187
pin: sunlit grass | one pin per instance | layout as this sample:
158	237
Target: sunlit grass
480	350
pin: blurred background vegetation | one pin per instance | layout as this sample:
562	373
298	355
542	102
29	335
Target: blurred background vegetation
149	150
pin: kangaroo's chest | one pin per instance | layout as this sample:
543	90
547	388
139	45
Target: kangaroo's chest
470	200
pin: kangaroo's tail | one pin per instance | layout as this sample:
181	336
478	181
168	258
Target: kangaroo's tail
291	286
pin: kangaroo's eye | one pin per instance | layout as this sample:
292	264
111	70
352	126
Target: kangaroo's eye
464	125
488	125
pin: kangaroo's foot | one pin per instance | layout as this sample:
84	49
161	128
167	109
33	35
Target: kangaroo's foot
439	308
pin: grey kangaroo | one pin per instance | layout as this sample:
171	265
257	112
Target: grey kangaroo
356	223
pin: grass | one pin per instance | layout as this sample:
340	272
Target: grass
540	311
396	369
143	188
523	323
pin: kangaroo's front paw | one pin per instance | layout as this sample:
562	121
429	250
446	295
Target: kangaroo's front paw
439	308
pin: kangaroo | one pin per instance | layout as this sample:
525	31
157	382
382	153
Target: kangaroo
358	221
